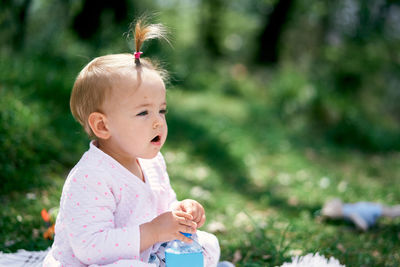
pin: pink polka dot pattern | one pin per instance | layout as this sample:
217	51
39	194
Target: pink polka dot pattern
102	207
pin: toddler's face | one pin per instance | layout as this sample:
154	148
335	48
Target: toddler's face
136	116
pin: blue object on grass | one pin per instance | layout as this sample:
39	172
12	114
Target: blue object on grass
368	211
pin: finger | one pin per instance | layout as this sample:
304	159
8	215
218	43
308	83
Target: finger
184	215
202	221
186	222
190	211
185	206
197	217
197	213
190	208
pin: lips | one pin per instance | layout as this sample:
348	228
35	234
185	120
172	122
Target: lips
156	139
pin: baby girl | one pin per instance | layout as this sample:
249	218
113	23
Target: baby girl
117	206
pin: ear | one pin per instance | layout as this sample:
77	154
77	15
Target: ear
98	123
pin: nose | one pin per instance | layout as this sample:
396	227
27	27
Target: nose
157	123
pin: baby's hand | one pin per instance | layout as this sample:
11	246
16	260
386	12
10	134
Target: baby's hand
168	226
195	209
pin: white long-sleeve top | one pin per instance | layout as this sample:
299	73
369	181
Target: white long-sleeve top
101	208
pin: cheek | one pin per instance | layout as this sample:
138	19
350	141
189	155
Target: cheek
166	130
165	134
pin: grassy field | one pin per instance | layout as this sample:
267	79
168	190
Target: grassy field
261	178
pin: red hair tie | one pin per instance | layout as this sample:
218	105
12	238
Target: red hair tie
137	54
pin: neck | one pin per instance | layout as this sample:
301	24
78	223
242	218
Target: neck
130	163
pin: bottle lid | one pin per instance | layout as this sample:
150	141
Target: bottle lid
186	234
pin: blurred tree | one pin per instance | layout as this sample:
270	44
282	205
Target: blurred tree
13	21
88	21
354	67
269	40
210	30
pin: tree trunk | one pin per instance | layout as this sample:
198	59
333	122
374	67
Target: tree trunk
211	26
268	52
87	22
15	15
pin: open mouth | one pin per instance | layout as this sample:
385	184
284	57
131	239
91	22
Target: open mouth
156	139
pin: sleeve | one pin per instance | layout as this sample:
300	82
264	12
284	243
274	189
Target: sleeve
171	195
89	205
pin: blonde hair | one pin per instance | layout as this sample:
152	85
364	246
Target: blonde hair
98	77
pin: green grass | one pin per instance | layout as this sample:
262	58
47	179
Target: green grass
261	178
265	187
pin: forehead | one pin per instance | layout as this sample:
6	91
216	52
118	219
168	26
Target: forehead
138	87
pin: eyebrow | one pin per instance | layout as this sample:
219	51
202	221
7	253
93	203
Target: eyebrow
147	105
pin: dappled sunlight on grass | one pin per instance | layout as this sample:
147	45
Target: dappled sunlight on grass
279	188
262	178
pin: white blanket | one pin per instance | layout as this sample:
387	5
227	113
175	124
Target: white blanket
23	258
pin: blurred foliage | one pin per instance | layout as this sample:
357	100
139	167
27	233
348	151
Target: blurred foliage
35	121
25	140
352	69
323	101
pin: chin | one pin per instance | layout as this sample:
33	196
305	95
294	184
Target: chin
150	155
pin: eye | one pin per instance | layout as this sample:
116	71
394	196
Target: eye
143	113
163	111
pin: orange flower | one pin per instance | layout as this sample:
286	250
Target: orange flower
45	215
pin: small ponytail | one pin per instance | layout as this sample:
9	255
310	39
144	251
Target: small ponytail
145	31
